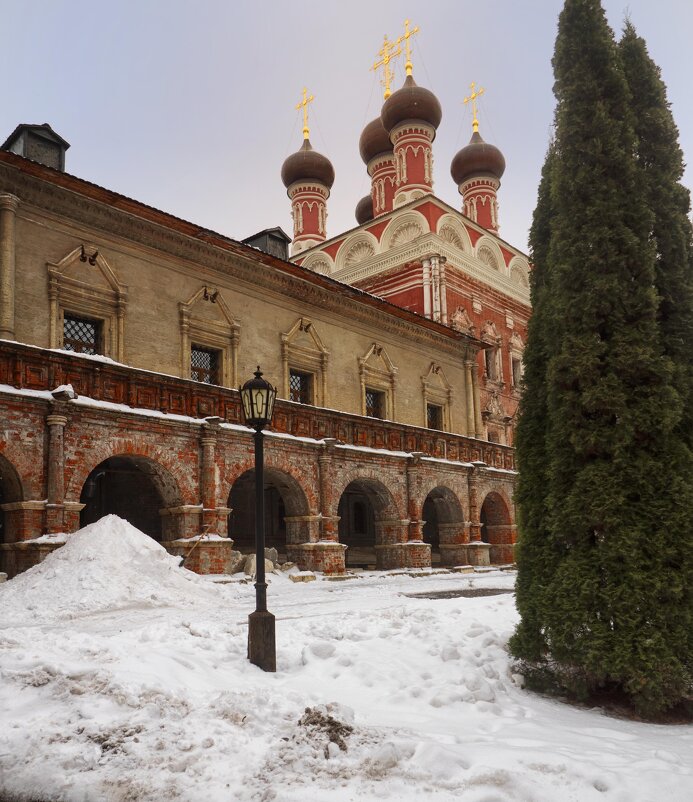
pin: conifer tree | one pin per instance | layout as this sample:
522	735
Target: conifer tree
660	159
533	556
615	611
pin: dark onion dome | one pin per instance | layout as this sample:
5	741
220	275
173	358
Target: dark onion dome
364	210
478	158
374	140
307	165
411	102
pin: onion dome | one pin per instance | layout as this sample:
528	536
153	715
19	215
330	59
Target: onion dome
411	102
374	140
364	210
307	165
477	158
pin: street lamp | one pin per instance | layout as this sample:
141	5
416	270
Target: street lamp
257	404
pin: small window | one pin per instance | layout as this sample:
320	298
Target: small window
434	416
517	371
204	365
81	335
375	403
301	387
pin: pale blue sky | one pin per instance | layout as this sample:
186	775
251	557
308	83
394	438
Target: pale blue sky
190	106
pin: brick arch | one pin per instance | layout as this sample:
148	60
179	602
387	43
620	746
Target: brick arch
451	508
11	485
175	486
302	499
496	527
297	499
288	507
385	502
27	466
443	524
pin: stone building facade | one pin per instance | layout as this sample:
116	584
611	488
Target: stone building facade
124	333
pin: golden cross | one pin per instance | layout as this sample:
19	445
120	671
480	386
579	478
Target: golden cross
472	98
407	36
388	53
304	105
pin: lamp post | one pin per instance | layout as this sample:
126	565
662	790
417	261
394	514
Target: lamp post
257	404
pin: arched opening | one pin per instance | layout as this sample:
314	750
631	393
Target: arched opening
363	506
496	529
10	491
443	521
285	505
134	488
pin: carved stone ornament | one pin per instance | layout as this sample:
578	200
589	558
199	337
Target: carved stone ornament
359	252
449	234
405	233
461	321
486	256
494	409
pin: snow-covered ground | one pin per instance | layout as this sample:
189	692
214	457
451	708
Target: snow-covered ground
125	677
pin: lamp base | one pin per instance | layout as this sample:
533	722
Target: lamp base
262	650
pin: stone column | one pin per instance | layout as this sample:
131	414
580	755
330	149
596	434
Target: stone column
319	549
470	366
56	473
443	291
478	553
214	516
478	423
426	278
8	214
329	524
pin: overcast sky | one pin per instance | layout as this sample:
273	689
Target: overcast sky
190	106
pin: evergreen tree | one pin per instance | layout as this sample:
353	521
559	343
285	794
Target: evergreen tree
615	611
533	556
661	161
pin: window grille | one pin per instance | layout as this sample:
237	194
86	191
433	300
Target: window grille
434	416
375	403
300	387
204	365
81	335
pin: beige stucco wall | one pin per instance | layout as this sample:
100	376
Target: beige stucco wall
158	282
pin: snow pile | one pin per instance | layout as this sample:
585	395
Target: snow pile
107	565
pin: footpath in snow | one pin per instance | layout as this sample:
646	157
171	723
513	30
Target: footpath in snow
125	678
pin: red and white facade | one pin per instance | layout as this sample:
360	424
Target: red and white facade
421	254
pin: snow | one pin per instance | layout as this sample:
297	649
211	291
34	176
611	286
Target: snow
124	677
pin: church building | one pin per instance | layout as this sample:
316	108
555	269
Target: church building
396	349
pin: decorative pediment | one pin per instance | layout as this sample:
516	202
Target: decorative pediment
489	333
207	304
358	252
436	377
406	233
516	342
320	266
452	231
304	334
377	359
487	256
461	321
494	409
86	266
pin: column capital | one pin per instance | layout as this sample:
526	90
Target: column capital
56	420
8	202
